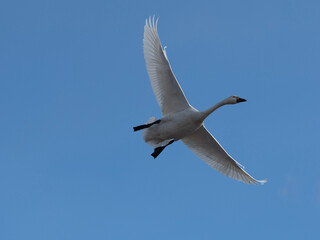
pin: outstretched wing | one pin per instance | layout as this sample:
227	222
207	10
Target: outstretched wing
206	147
165	86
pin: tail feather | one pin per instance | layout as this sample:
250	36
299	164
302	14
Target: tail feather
145	131
157	143
154	142
151	120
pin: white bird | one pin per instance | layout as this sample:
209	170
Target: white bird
181	121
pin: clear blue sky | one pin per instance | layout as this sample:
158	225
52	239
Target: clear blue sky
73	82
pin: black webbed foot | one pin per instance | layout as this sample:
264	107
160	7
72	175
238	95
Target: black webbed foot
158	150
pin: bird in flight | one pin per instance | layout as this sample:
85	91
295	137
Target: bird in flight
181	121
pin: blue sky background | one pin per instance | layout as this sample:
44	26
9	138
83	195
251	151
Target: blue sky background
73	83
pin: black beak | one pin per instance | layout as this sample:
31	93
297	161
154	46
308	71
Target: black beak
241	100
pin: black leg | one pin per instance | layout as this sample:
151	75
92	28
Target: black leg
140	127
158	150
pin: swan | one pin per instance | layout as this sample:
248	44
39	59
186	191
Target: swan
181	121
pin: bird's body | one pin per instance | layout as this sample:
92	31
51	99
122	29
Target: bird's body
173	126
181	121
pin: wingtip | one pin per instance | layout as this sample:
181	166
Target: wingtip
261	182
152	21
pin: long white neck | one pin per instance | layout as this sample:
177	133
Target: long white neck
206	113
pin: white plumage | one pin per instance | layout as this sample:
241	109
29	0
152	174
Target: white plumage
180	121
164	84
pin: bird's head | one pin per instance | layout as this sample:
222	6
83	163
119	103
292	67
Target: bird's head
234	100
